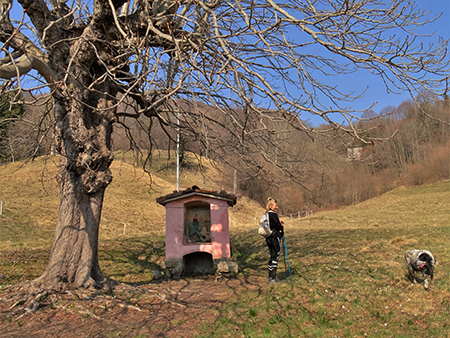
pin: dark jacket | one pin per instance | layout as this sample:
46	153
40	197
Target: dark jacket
275	224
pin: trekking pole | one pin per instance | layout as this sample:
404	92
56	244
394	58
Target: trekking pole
287	257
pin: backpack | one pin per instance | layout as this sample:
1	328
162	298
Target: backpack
264	226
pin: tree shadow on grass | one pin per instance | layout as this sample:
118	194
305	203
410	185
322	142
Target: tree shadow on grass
133	256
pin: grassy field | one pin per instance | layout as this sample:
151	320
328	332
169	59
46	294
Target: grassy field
348	274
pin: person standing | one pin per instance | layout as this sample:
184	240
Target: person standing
274	240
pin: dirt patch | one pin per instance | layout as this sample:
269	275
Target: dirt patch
167	309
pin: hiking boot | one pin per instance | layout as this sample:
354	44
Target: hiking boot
274	280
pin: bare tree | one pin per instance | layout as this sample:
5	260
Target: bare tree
107	60
8	113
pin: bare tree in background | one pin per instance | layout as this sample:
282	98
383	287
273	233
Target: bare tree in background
254	62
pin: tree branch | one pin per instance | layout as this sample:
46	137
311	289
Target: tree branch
24	64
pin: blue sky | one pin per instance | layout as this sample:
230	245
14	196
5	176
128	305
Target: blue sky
377	91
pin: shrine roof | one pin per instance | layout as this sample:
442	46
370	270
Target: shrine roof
196	191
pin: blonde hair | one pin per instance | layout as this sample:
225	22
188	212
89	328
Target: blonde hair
270	201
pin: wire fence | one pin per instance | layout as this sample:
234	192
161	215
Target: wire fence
298	215
117	222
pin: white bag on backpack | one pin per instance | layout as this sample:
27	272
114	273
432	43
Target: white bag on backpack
264	226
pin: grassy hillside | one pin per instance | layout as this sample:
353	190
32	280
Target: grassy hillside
347	268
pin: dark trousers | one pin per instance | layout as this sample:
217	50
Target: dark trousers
273	243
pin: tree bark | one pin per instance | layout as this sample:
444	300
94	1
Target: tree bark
74	256
84	136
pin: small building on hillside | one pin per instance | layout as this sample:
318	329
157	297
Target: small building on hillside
197	232
354	153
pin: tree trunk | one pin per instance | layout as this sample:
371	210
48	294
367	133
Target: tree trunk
74	256
84	139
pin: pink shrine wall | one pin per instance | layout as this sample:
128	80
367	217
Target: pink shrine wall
176	246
